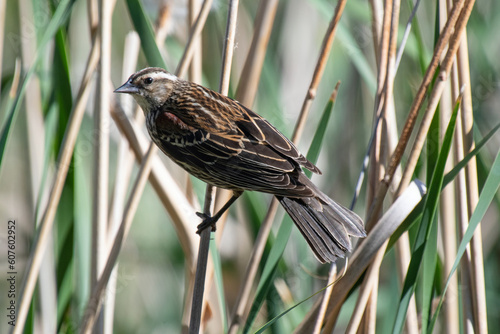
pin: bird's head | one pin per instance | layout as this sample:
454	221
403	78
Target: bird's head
150	87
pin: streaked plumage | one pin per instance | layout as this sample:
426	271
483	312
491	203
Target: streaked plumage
225	144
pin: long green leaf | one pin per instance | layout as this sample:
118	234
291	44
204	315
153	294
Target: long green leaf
60	16
450	176
430	208
487	194
429	258
143	27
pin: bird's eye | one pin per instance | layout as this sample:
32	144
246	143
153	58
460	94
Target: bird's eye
148	81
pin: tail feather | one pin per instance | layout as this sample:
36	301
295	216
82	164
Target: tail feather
325	226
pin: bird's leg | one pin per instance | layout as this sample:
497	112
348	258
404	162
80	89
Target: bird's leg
211	220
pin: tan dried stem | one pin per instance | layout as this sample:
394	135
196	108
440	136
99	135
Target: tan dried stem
197	311
396	157
94	305
100	214
191	45
124	166
326	47
477	270
383	107
63	163
455	25
448	208
163	22
448	199
463	220
332	276
101	150
249	79
194	71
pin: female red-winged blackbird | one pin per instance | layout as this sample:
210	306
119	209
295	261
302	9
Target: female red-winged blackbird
225	144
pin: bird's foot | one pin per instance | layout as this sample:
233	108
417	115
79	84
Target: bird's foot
207	222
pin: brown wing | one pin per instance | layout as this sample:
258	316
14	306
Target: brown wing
243	152
246	122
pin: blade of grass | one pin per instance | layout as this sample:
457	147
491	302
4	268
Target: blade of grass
449	177
485	198
428	215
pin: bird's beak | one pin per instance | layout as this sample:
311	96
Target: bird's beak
128	88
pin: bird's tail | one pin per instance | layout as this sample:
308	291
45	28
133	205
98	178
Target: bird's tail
325	226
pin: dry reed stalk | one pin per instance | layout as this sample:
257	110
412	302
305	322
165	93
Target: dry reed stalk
195	66
332	277
326	47
124	165
197	311
191	43
448	199
240	309
100	175
249	79
377	18
456	16
391	10
396	157
64	160
365	294
403	252
163	21
94	305
477	270
384	107
463	220
194	75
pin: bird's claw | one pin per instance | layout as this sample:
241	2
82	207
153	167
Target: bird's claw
207	221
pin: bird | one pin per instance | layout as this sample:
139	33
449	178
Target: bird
225	144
